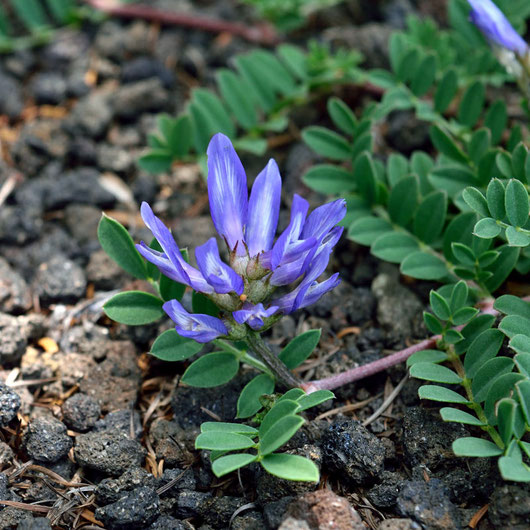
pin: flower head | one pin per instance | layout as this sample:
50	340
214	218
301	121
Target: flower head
258	265
494	25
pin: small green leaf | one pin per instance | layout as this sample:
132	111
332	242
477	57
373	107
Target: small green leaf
223	441
424	266
292	394
227	464
118	244
170	346
134	308
434	372
506	411
235	92
439	393
485	347
470	446
365	175
452	336
156	161
502	267
211	370
472	330
458	296
394	246
279	433
439	306
403	200
459	416
513	469
397	168
327	143
516	203
512	305
300	348
430	216
282	408
329	179
464	254
424	76
521	344
291	467
516	238
496	120
248	403
472	104
314	399
487	374
427	356
446	91
432	323
367	229
487	228
513	325
222	426
495	197
464	315
342	116
445	144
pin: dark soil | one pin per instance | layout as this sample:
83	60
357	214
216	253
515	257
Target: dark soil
94	431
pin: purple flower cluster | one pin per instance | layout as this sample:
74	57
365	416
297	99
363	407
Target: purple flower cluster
491	21
258	265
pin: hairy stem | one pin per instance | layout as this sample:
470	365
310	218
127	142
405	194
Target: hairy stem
281	372
263	34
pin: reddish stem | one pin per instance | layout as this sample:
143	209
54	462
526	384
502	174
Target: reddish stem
360	372
263	33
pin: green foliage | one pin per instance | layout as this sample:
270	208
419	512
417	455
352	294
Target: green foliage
496	386
252	101
27	23
288	15
277	425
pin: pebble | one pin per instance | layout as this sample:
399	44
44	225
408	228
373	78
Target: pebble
9	404
15	336
134	511
144	68
398	524
46	440
217	511
509	506
36	523
104	272
353	452
143	96
92	114
428	503
323	509
19	224
110	490
48	88
59	280
11	102
166	522
121	420
6	455
15	296
108	452
80	412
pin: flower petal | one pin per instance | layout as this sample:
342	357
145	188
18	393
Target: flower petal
322	219
219	275
316	291
253	315
202	328
227	191
492	22
263	209
181	271
292	232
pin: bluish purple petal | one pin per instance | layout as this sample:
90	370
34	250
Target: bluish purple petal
292	232
253	315
322	219
227	191
492	22
182	271
263	209
290	270
219	275
202	328
315	291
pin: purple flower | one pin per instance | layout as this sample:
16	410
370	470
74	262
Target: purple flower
492	22
253	315
202	328
258	265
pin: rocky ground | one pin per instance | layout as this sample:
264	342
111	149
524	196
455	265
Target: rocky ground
95	432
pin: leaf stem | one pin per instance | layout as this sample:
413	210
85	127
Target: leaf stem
278	368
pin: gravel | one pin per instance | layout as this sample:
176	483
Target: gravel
9	404
46	440
81	412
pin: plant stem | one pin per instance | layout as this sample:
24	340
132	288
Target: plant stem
262	34
360	372
280	371
476	407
